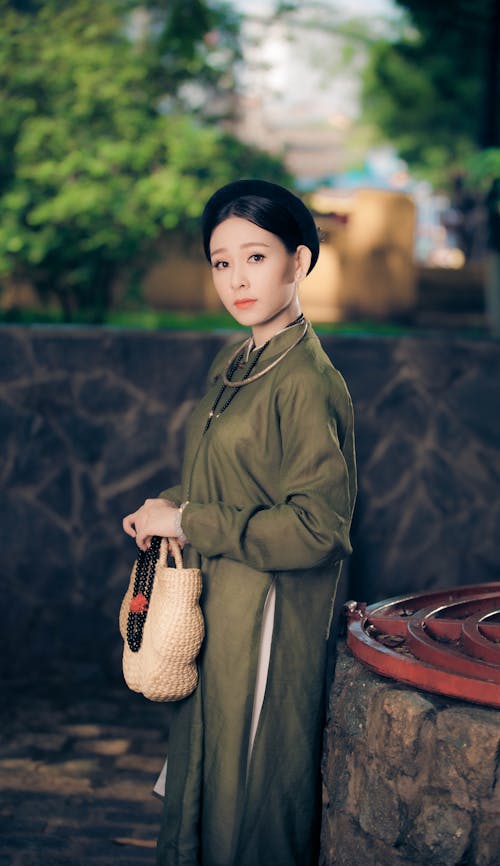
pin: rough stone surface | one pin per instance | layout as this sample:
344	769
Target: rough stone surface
92	422
409	777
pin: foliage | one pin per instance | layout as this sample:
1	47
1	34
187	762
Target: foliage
426	90
484	167
93	167
193	49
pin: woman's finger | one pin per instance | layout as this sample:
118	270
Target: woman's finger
143	541
128	525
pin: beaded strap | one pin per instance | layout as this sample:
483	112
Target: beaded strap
143	587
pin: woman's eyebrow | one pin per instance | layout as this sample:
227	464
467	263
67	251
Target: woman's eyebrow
254	244
242	247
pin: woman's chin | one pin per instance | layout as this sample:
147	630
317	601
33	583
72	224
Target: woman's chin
248	318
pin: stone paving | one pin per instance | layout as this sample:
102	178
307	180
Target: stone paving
78	758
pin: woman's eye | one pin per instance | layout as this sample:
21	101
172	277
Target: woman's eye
219	265
257	257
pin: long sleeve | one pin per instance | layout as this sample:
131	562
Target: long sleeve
174	494
310	522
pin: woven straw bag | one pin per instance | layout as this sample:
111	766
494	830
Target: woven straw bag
161	624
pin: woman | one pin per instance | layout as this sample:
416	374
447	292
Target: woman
265	502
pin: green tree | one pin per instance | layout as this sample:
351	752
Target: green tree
193	41
432	90
97	157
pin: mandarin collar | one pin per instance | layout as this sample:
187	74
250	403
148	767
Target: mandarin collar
279	343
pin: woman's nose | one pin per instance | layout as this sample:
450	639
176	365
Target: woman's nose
239	279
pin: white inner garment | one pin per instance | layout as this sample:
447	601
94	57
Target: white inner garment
266	639
161	782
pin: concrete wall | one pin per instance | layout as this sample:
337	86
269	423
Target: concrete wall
92	423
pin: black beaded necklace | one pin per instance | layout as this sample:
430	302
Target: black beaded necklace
232	394
237	362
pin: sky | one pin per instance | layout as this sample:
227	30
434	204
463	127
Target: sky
307	76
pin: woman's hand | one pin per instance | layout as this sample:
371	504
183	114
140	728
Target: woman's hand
155	517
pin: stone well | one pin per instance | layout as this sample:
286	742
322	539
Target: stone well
409	777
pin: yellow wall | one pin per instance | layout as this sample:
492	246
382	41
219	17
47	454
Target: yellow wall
366	267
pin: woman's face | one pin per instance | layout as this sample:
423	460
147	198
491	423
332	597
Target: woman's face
255	276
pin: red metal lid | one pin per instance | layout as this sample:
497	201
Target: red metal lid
447	641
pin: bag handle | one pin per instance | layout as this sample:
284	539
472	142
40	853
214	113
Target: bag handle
174	550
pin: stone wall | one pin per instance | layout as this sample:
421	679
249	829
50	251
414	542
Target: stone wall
411	779
92	423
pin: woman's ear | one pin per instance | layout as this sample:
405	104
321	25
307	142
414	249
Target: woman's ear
302	262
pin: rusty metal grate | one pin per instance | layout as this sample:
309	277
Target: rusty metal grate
446	641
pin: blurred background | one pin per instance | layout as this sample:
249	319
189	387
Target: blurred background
119	119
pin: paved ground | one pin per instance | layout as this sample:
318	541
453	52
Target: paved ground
77	762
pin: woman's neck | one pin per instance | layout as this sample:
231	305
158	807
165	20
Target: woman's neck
267	330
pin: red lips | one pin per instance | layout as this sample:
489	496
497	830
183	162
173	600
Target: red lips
244	303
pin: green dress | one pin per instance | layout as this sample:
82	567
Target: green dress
271	487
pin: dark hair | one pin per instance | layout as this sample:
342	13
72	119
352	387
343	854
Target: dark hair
266	214
267	205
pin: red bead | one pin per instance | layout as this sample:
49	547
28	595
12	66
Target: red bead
139	604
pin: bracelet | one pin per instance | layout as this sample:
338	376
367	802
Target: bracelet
178	526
